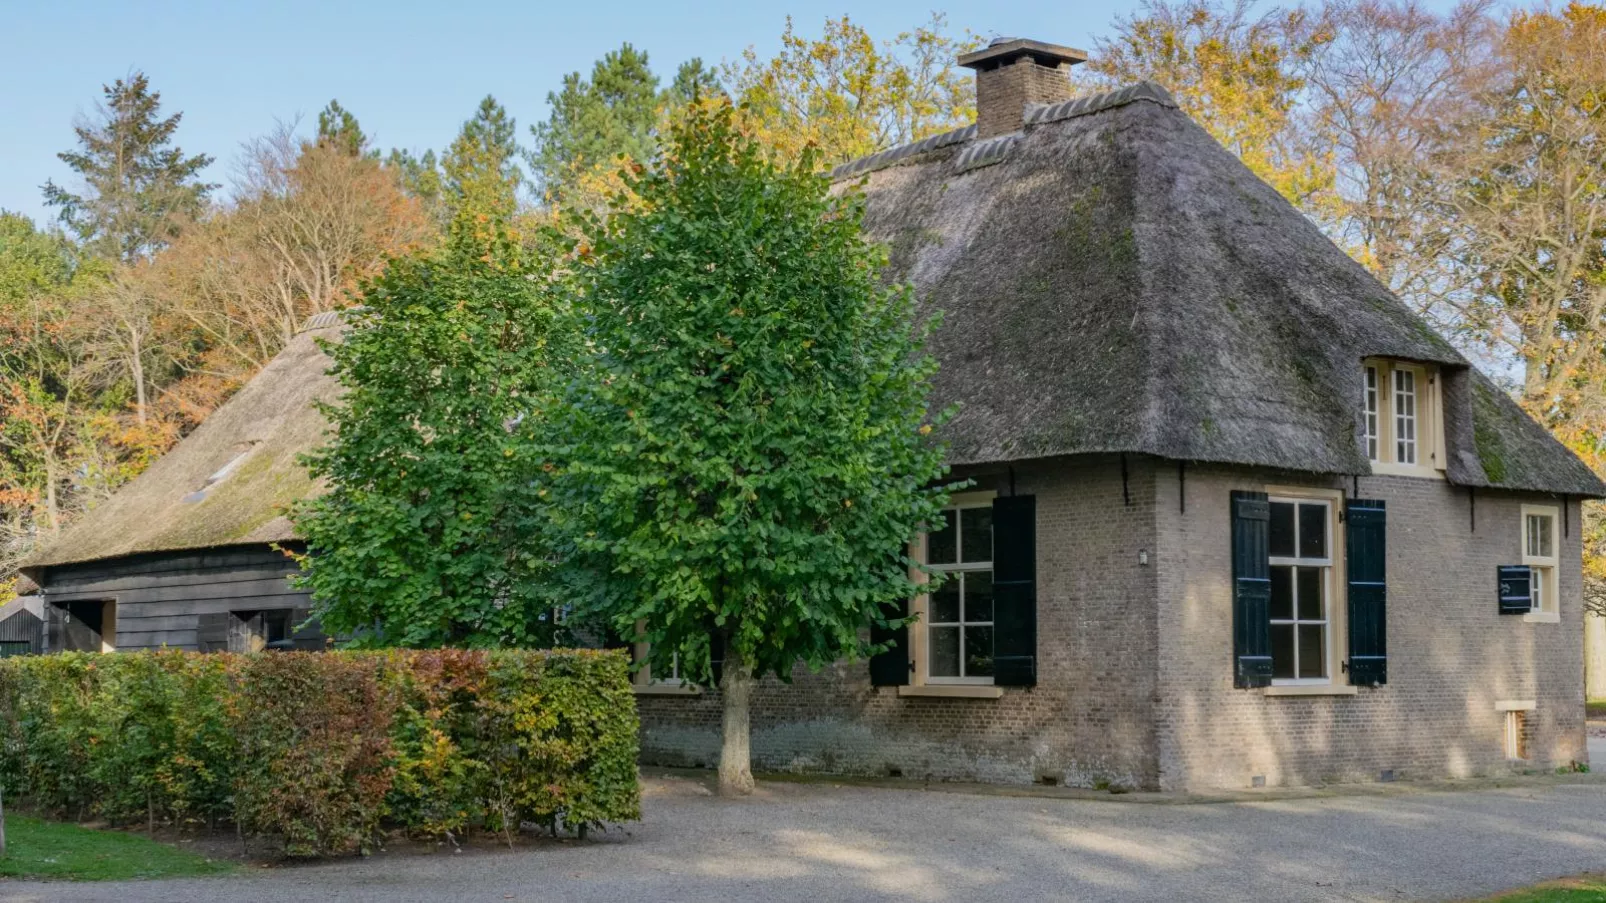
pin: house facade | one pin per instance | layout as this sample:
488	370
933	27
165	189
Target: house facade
1237	517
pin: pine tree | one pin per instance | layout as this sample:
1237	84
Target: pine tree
338	127
138	187
595	120
481	175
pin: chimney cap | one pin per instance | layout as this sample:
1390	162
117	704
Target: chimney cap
1002	51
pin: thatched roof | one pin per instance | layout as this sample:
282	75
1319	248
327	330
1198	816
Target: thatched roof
1113	280
1110	280
229	482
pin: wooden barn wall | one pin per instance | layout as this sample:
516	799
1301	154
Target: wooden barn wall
161	597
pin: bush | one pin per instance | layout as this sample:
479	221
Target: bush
320	750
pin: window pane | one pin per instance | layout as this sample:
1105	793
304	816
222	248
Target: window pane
1282	593
1404	417
1282	650
1313	531
976	539
978	652
944	651
1312	650
945	601
1371	413
1536	601
1282	530
978	596
1540	529
1312	604
941	545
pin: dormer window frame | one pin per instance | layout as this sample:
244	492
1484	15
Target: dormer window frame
1402	417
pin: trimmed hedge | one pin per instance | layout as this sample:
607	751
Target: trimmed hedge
323	750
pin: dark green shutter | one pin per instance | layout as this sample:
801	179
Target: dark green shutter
1516	589
1015	591
890	667
1366	528
1251	590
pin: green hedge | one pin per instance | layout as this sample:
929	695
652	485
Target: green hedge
323	750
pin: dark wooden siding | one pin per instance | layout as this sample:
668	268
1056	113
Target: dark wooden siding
160	597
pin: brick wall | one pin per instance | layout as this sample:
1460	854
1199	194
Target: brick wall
1135	672
1002	94
1452	657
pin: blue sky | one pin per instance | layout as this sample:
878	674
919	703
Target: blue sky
412	72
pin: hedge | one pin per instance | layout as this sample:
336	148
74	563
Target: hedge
323	751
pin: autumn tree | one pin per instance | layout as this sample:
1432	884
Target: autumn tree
745	457
1381	93
849	96
1240	75
480	172
137	185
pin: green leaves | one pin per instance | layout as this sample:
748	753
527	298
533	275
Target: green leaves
744	452
431	533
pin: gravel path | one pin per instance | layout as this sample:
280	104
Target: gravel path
819	842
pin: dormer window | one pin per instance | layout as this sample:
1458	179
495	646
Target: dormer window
1402	418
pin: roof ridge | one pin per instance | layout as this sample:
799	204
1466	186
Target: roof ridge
327	318
996	146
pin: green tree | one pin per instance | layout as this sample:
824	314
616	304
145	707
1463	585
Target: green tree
748	454
693	81
31	262
481	173
138	188
421	178
427	536
338	127
594	120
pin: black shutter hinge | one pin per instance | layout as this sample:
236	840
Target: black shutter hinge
1343	666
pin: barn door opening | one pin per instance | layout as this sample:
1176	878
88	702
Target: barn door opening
88	626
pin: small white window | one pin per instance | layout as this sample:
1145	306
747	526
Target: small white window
1540	555
959	613
1400	418
1404	416
1300	542
1516	739
1372	434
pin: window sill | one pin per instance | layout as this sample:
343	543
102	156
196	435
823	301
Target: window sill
953	691
667	690
1386	469
1311	690
1542	617
1515	705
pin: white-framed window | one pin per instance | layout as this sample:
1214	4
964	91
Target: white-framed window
1373	409
1539	552
1405	416
1401	418
1302	589
958	615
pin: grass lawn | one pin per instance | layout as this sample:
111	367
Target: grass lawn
43	849
1595	709
1583	889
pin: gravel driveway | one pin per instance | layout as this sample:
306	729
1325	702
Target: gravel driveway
820	842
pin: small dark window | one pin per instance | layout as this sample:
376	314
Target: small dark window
1282	530
9	648
942	546
1312	531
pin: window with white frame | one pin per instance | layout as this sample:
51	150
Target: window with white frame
1401	418
1300	542
1540	555
959	612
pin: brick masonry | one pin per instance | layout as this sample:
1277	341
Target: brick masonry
1134	660
1003	93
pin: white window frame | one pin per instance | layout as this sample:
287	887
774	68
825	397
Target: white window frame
646	684
1545	585
1381	418
1335	589
920	629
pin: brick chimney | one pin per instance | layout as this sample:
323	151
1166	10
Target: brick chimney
1012	73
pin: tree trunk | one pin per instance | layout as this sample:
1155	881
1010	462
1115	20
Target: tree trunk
735	759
